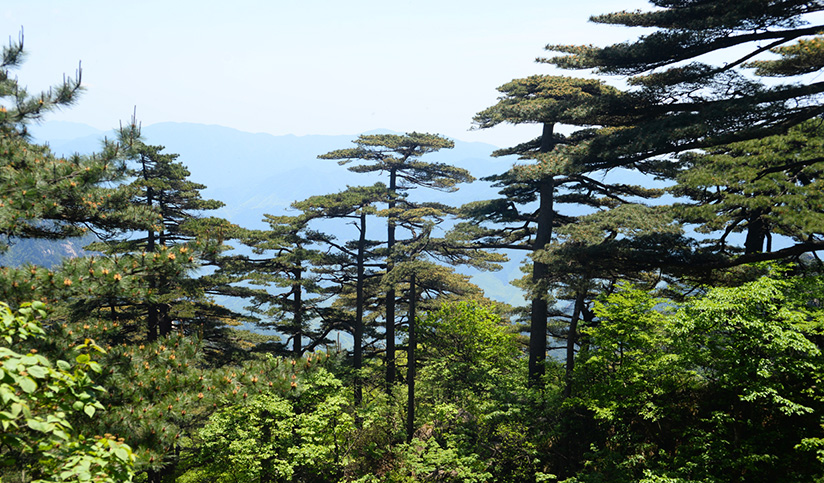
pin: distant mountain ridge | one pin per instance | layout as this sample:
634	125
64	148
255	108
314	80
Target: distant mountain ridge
258	173
44	253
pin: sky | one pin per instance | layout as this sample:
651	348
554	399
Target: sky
300	67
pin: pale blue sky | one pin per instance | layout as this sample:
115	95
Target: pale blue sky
300	67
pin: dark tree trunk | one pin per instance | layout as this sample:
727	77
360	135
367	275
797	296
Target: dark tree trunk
266	473
164	320
572	339
358	329
297	290
410	377
152	312
538	316
152	318
756	233
157	476
390	294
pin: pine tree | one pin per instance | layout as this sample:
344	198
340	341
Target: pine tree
627	242
43	196
762	187
161	185
354	261
678	102
424	285
293	250
399	156
526	214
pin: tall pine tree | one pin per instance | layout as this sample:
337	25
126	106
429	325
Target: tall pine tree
399	157
354	260
162	186
286	256
526	214
678	101
761	188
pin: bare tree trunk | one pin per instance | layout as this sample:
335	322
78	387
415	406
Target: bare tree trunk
297	289
538	316
410	377
152	315
756	233
572	338
390	294
164	320
152	318
358	329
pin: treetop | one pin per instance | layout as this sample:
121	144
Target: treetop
551	99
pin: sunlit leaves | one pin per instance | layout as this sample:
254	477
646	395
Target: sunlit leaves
729	379
400	154
806	55
38	402
679	101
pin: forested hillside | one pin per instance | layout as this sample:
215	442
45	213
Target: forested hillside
669	216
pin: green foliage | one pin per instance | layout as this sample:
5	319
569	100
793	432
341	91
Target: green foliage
105	293
467	349
428	460
802	57
764	187
38	402
43	196
544	98
162	393
399	155
723	389
279	437
631	344
472	411
678	101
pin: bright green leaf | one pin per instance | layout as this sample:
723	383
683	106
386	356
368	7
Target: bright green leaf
27	384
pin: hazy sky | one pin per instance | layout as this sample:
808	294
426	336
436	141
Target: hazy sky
300	66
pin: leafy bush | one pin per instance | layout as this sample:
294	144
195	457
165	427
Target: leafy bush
37	401
275	437
723	389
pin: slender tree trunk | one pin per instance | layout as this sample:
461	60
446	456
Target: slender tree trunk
164	320
538	316
390	294
157	476
266	463
358	329
152	315
572	338
756	233
152	321
297	289
410	377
